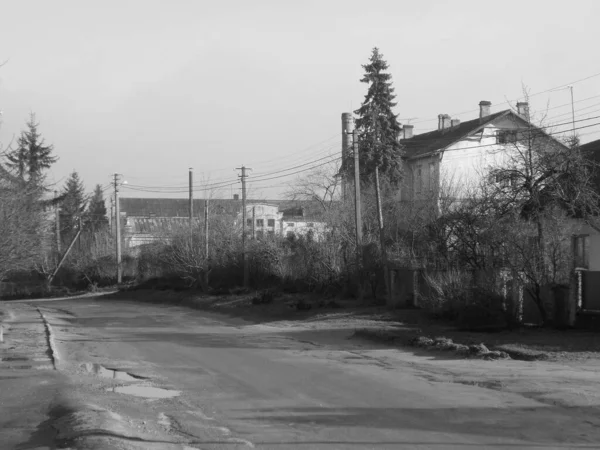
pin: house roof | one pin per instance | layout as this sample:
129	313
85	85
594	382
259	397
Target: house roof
178	207
422	144
592	149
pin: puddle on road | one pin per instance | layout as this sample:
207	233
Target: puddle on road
114	374
145	391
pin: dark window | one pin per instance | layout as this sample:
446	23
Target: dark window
271	222
249	222
260	222
506	136
291	224
271	232
260	234
506	179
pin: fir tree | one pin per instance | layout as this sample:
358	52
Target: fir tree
73	204
377	126
32	156
96	213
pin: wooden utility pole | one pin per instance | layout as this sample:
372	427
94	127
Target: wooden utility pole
118	229
244	256
191	207
379	211
253	222
57	223
357	214
206	241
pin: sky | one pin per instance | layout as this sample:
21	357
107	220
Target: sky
148	88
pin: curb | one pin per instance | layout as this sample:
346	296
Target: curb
6	316
50	339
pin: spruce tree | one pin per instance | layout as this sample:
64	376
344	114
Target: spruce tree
377	126
73	205
96	213
32	156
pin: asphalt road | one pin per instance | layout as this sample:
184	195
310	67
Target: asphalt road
235	385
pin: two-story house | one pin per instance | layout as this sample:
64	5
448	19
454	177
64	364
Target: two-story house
457	157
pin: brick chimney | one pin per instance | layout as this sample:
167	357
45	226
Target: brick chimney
408	131
444	122
523	110
484	108
455	123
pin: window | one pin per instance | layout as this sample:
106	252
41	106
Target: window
260	222
291	224
310	224
505	179
431	176
506	136
249	222
271	222
260	234
419	180
581	250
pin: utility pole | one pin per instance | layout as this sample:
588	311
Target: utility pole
191	207
243	176
253	222
379	211
118	229
358	218
57	223
206	240
573	112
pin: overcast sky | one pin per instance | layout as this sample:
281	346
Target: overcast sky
150	88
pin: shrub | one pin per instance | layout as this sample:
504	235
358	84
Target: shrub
447	294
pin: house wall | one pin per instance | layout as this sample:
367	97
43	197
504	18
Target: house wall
422	176
262	215
303	227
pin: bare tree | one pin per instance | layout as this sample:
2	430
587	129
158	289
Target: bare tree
322	185
23	228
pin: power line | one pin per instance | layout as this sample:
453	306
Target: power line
518	98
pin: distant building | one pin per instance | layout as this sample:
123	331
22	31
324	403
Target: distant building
148	220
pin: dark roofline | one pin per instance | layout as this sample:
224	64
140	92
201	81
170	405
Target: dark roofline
471	127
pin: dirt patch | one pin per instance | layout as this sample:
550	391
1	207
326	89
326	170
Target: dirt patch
395	327
257	307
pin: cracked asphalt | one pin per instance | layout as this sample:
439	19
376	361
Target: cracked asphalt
157	376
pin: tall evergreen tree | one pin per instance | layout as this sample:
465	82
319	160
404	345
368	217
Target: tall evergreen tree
377	126
96	213
32	156
73	204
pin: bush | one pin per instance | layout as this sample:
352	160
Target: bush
448	293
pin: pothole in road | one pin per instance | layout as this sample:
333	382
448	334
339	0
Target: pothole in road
115	374
145	391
